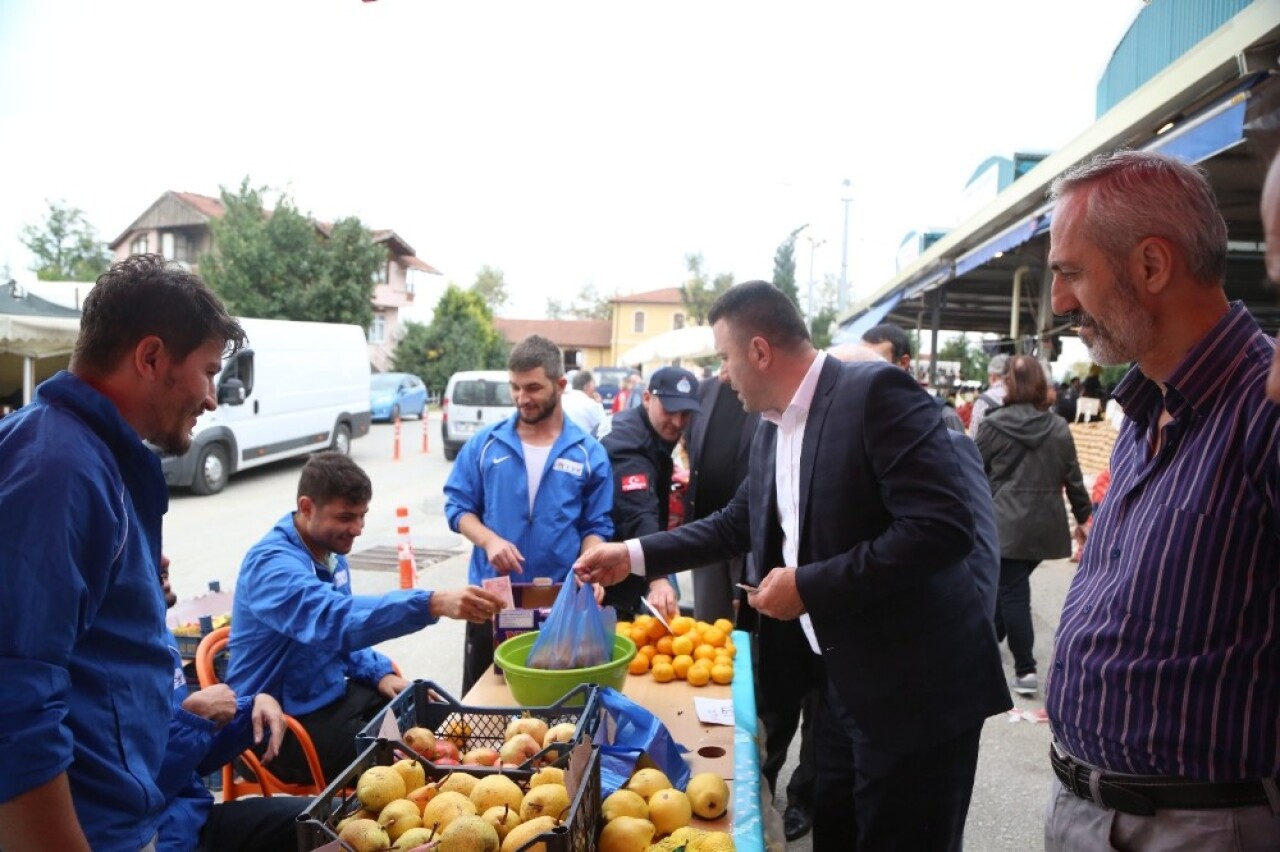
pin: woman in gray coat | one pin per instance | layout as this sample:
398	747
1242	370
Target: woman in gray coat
1030	457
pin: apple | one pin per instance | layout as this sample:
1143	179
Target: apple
446	761
446	750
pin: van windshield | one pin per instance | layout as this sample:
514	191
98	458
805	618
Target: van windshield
481	392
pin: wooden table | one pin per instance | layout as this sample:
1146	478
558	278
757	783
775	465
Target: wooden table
730	751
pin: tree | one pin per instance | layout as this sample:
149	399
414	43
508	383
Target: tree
278	265
699	293
587	305
973	361
65	246
784	267
491	287
461	336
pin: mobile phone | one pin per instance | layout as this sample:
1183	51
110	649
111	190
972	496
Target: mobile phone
746	588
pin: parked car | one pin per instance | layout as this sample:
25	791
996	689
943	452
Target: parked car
609	380
472	400
393	395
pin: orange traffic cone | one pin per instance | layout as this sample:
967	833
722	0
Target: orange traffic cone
404	548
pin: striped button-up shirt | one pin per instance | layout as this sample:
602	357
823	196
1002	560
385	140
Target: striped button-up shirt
1167	658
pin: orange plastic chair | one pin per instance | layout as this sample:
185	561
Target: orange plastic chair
211	647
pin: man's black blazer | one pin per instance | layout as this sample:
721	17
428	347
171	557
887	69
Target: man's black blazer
884	531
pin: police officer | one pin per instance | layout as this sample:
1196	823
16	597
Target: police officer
640	447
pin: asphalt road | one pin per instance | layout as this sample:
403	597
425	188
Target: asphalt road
206	537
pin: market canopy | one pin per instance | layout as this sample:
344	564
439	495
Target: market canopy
33	329
694	341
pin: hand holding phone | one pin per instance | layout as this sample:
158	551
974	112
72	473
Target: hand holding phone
748	589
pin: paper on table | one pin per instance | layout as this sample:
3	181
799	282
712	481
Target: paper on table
714	711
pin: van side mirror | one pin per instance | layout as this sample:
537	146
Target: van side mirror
231	392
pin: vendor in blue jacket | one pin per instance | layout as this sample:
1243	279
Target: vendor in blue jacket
84	651
531	493
299	634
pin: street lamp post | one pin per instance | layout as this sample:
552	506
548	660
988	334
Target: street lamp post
813	247
846	195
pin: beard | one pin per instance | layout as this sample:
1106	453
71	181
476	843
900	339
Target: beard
1125	335
541	412
175	441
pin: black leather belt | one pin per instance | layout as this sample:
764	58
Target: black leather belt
1143	795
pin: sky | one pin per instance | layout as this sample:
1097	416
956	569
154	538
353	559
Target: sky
564	143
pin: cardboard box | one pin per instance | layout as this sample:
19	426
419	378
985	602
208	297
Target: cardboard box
533	606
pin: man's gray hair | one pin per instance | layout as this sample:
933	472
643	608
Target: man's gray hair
997	364
1132	195
581	379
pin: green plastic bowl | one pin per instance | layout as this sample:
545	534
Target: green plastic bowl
544	687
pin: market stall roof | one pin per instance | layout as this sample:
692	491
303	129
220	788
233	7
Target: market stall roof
694	341
1212	107
32	327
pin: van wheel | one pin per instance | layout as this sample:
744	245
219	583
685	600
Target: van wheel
341	439
211	470
450	453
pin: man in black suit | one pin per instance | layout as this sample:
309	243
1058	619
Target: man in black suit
855	509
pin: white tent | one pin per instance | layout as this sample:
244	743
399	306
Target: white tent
33	329
694	341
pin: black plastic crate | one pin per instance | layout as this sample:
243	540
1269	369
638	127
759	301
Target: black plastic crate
576	834
485	726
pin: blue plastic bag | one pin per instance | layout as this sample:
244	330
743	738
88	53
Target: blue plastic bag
573	636
629	731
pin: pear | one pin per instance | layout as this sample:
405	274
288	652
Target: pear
400	816
646	782
547	775
496	790
362	813
626	834
423	794
624	803
562	733
458	782
421	740
364	835
523	833
545	800
411	772
444	809
378	786
413	838
469	834
535	728
503	819
669	810
708	795
711	841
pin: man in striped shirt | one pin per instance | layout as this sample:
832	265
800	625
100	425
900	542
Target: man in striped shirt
1164	692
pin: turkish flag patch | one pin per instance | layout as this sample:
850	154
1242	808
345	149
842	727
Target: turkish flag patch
635	482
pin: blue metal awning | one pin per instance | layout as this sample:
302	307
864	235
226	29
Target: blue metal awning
1212	132
852	333
1007	240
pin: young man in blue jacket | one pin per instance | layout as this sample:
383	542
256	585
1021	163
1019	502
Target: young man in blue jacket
300	635
84	651
531	493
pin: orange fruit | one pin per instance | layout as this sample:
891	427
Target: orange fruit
730	649
646	651
682	645
698	675
724	625
663	673
681	664
639	664
704	652
722	674
721	659
681	624
660	658
657	630
639	635
713	636
623	627
664	645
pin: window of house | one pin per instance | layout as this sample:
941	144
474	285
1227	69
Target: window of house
378	329
167	246
139	245
380	274
677	321
637	322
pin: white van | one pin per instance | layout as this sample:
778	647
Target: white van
472	400
295	388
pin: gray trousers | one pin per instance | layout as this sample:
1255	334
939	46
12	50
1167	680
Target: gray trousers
1073	824
713	589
